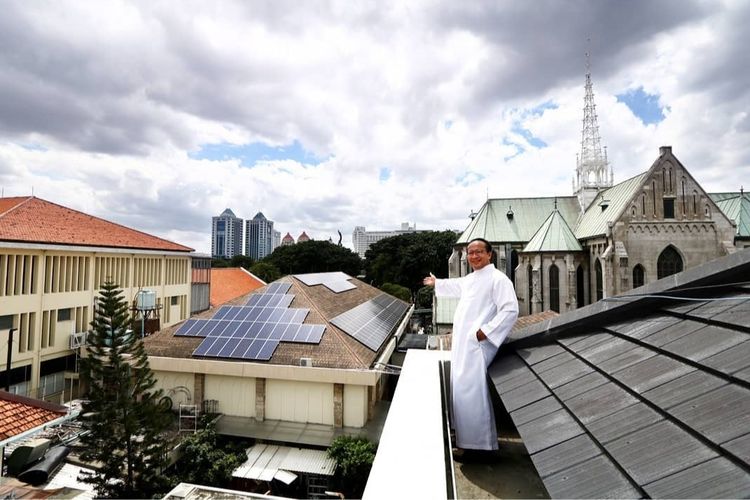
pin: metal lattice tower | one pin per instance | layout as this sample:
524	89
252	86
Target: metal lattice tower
593	171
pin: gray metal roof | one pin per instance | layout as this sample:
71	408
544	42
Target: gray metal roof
643	397
736	206
493	223
554	235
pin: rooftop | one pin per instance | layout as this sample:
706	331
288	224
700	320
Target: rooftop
19	414
230	283
33	220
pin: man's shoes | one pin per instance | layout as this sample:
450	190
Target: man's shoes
469	456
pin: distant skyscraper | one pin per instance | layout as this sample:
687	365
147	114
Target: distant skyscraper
362	239
258	237
226	235
276	240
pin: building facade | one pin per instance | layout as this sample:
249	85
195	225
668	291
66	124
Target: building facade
259	234
362	239
53	261
226	235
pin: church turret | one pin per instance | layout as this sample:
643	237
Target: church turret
593	171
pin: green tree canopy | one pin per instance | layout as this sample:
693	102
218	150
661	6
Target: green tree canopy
407	258
241	261
265	271
121	413
398	291
314	257
207	460
354	457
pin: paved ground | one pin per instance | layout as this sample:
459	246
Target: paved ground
512	476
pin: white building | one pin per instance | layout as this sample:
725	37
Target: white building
259	236
362	239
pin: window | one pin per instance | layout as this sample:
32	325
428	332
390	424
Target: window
599	280
669	263
6	322
513	266
530	279
63	314
579	287
669	208
554	288
638	276
173	301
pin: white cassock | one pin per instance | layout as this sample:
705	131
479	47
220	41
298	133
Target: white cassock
487	301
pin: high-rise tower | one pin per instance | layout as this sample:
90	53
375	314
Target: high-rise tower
258	237
593	171
226	235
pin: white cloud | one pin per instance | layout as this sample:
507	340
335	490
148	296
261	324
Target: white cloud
118	95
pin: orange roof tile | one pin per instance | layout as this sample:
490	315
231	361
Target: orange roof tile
19	414
33	220
230	283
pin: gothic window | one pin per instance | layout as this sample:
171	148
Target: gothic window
707	212
669	208
580	299
632	212
684	199
639	276
643	205
695	203
669	179
554	288
599	280
530	280
669	263
653	188
513	265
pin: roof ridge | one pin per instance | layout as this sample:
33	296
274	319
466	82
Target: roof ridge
25	199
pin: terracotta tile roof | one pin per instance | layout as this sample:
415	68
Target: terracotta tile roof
336	348
524	321
33	220
230	283
19	414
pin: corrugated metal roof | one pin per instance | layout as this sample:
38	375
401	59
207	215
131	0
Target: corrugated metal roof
607	207
445	310
265	460
736	206
553	236
493	224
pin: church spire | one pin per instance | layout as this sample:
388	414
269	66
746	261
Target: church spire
593	172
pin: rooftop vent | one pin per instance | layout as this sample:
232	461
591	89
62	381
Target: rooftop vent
604	204
509	214
308	362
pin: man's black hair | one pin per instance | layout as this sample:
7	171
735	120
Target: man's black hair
487	245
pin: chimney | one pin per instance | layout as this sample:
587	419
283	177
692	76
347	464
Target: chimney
664	150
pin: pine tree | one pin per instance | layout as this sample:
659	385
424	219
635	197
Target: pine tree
121	413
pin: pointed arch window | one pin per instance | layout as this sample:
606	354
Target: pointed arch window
530	280
513	265
580	298
639	276
599	280
668	263
554	288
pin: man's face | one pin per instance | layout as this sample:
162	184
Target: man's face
478	255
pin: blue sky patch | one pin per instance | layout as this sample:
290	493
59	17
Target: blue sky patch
645	106
250	154
539	110
33	147
526	134
385	174
468	178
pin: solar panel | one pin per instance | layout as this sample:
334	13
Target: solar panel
371	322
337	281
253	331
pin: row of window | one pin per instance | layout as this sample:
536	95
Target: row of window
77	316
176	271
66	273
668	263
18	274
177	300
25	327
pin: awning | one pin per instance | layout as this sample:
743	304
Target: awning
266	462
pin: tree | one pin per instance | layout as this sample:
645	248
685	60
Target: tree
314	257
207	461
354	457
407	258
219	262
241	261
265	271
124	421
424	297
398	291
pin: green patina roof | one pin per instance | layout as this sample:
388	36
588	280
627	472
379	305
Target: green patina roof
554	236
736	206
594	220
493	224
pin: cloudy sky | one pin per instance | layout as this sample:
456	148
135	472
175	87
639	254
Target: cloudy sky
327	115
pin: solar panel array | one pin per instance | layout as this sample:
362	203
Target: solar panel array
371	323
336	282
253	331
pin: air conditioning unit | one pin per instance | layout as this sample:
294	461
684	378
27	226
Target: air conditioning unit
77	340
305	362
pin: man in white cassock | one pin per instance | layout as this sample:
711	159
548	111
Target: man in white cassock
486	312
